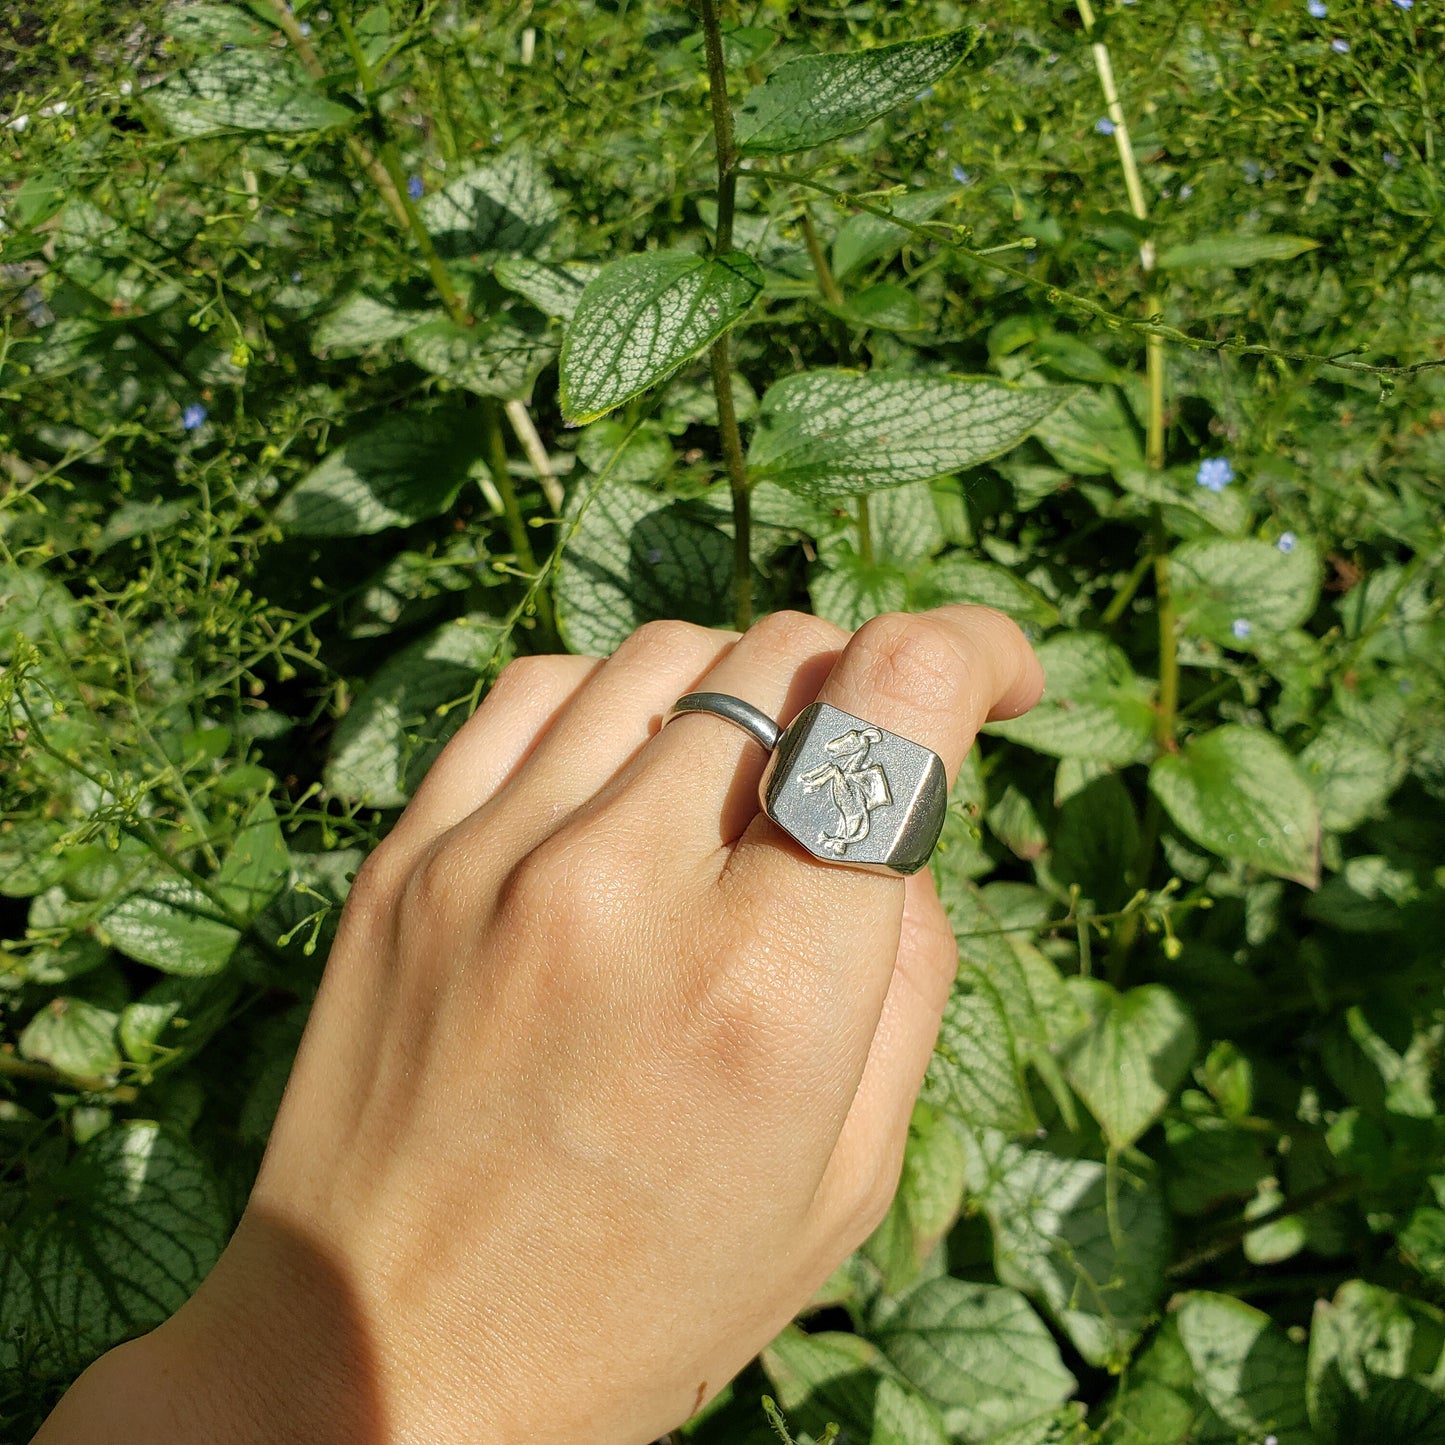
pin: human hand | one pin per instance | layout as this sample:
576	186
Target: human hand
605	1075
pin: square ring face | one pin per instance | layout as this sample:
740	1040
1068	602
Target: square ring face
852	792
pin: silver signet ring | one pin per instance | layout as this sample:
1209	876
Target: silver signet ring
847	790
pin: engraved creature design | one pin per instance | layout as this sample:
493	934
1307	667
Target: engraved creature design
857	785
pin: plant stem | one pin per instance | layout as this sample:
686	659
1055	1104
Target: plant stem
865	532
827	282
536	453
497	464
1125	595
720	356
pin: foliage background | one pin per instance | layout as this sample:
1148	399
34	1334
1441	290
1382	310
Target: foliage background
268	527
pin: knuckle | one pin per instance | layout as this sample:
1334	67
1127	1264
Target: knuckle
914	661
790	634
436	893
522	674
667	634
373	890
874	1198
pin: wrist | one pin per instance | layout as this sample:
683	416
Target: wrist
269	1351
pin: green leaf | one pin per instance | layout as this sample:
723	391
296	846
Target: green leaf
1093	705
1092	434
554	288
885	307
1351	774
818	98
961	578
1244	1368
1237	792
393	730
825	1376
978	1352
1096	1264
1127	1064
843	432
642	317
626	454
637	556
1376	1368
171	925
255	869
75	1037
903	1417
506	205
1219	583
361	322
184	1012
976	1072
1214	251
405	470
865	238
252	89
851	591
493	358
107	1247
930	1193
1095	842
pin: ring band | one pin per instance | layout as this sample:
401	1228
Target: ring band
848	791
753	721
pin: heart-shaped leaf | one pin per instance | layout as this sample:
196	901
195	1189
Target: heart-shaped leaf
1238	791
641	317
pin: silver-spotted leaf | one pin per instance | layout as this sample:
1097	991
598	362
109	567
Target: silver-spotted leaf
642	317
506	205
492	359
171	925
107	1247
818	98
361	322
843	432
250	89
637	556
554	288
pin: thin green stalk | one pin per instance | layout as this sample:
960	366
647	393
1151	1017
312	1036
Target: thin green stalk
1125	595
949	236
497	464
827	282
865	532
720	356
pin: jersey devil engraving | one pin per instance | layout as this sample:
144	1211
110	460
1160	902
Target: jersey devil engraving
857	785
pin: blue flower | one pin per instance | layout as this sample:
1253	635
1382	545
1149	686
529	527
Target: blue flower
414	188
1405	4
1214	473
925	94
1391	160
1185	192
962	176
1318	9
193	416
1104	125
1340	47
1286	542
1241	628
